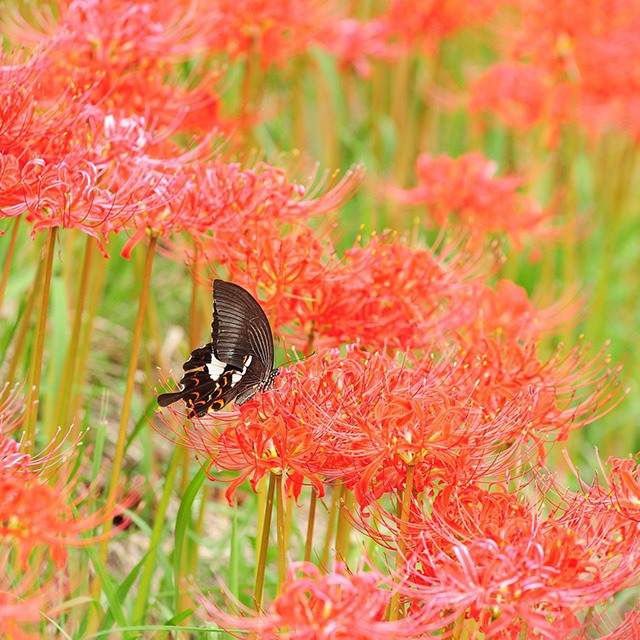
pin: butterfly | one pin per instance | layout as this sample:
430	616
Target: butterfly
236	364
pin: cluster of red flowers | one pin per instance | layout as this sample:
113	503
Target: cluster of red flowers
45	506
424	392
467	188
565	67
95	154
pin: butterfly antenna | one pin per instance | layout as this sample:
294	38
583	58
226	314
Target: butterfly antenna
289	362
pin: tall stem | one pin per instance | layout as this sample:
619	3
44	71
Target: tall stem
66	384
280	529
7	260
84	347
25	322
337	498
342	534
128	394
260	509
310	524
41	327
394	613
264	545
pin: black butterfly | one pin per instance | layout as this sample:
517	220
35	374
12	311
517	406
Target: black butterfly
237	362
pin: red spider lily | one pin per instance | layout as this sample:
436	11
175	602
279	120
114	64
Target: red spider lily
431	21
274	32
67	164
506	311
35	513
12	453
517	93
356	43
363	418
284	267
571	392
26	598
612	506
384	294
30	118
314	605
74	193
467	188
239	216
505	563
131	50
580	68
266	193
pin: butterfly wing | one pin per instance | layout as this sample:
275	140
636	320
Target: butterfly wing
236	363
240	327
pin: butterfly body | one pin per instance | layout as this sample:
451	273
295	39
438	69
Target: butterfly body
236	364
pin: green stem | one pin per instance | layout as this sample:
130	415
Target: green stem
337	498
264	546
394	612
260	509
41	327
66	384
312	518
342	534
8	258
25	323
128	395
84	346
159	523
280	529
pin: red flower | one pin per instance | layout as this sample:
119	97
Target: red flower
131	53
428	22
25	599
34	513
363	418
505	562
567	66
516	92
505	312
313	605
356	43
467	188
274	32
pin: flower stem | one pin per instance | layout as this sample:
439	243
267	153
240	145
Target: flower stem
25	323
96	279
264	545
280	529
260	509
337	498
312	518
342	534
41	326
8	258
66	383
394	612
128	395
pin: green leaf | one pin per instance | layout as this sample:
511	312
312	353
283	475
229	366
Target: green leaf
182	524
